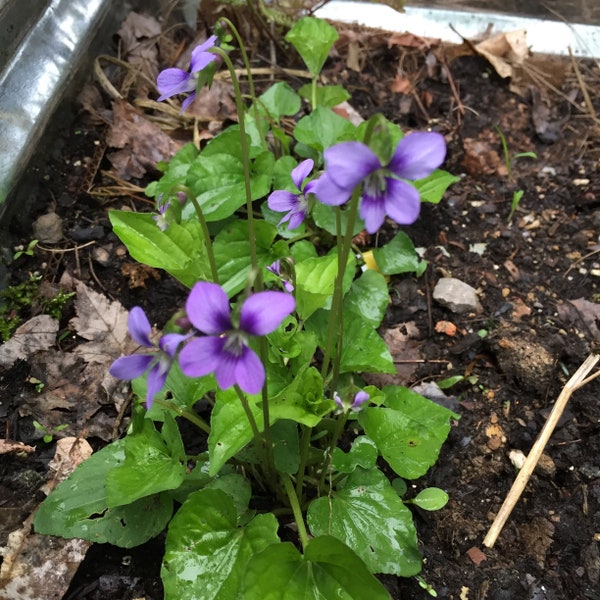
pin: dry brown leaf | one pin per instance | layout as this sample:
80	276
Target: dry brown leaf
39	333
505	50
590	314
404	345
143	143
103	323
216	104
410	40
10	447
35	566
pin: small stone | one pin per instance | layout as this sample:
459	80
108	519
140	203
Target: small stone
48	228
456	295
101	256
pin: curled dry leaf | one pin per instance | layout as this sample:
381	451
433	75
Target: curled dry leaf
39	333
504	51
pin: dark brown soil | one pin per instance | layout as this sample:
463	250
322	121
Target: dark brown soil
527	272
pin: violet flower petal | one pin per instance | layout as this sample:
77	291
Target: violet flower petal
296	218
208	308
372	212
200	57
338	400
250	372
302	171
139	327
187	102
157	377
418	155
201	356
171	82
263	312
327	192
282	201
402	202
348	163
360	398
170	343
132	366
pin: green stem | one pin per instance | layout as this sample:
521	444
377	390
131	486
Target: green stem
258	440
313	92
295	506
245	162
242	48
304	448
207	241
337	432
186	414
333	343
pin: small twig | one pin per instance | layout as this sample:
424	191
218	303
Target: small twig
578	379
63	250
583	88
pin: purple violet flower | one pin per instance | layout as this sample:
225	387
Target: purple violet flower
171	82
359	399
296	205
224	349
157	364
275	268
348	164
160	218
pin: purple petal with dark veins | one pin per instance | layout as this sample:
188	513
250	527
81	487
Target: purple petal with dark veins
418	155
130	367
262	313
282	201
171	82
139	327
348	163
200	56
402	202
296	218
208	308
202	356
302	171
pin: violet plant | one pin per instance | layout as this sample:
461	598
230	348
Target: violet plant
299	490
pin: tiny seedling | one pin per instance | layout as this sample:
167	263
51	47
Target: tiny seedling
509	162
20	250
48	433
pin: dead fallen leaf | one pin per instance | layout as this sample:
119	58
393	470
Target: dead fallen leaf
39	333
590	315
410	40
143	144
404	344
504	51
446	327
138	273
401	85
10	447
35	566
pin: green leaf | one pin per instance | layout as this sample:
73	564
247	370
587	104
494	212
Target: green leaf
324	216
432	188
313	39
409	433
206	552
315	279
286	446
78	507
363	349
232	252
179	250
367	515
280	100
328	96
399	256
363	453
368	297
323	128
230	429
175	172
154	462
329	570
431	499
302	401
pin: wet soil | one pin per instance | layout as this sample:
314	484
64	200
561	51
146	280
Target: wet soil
537	276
